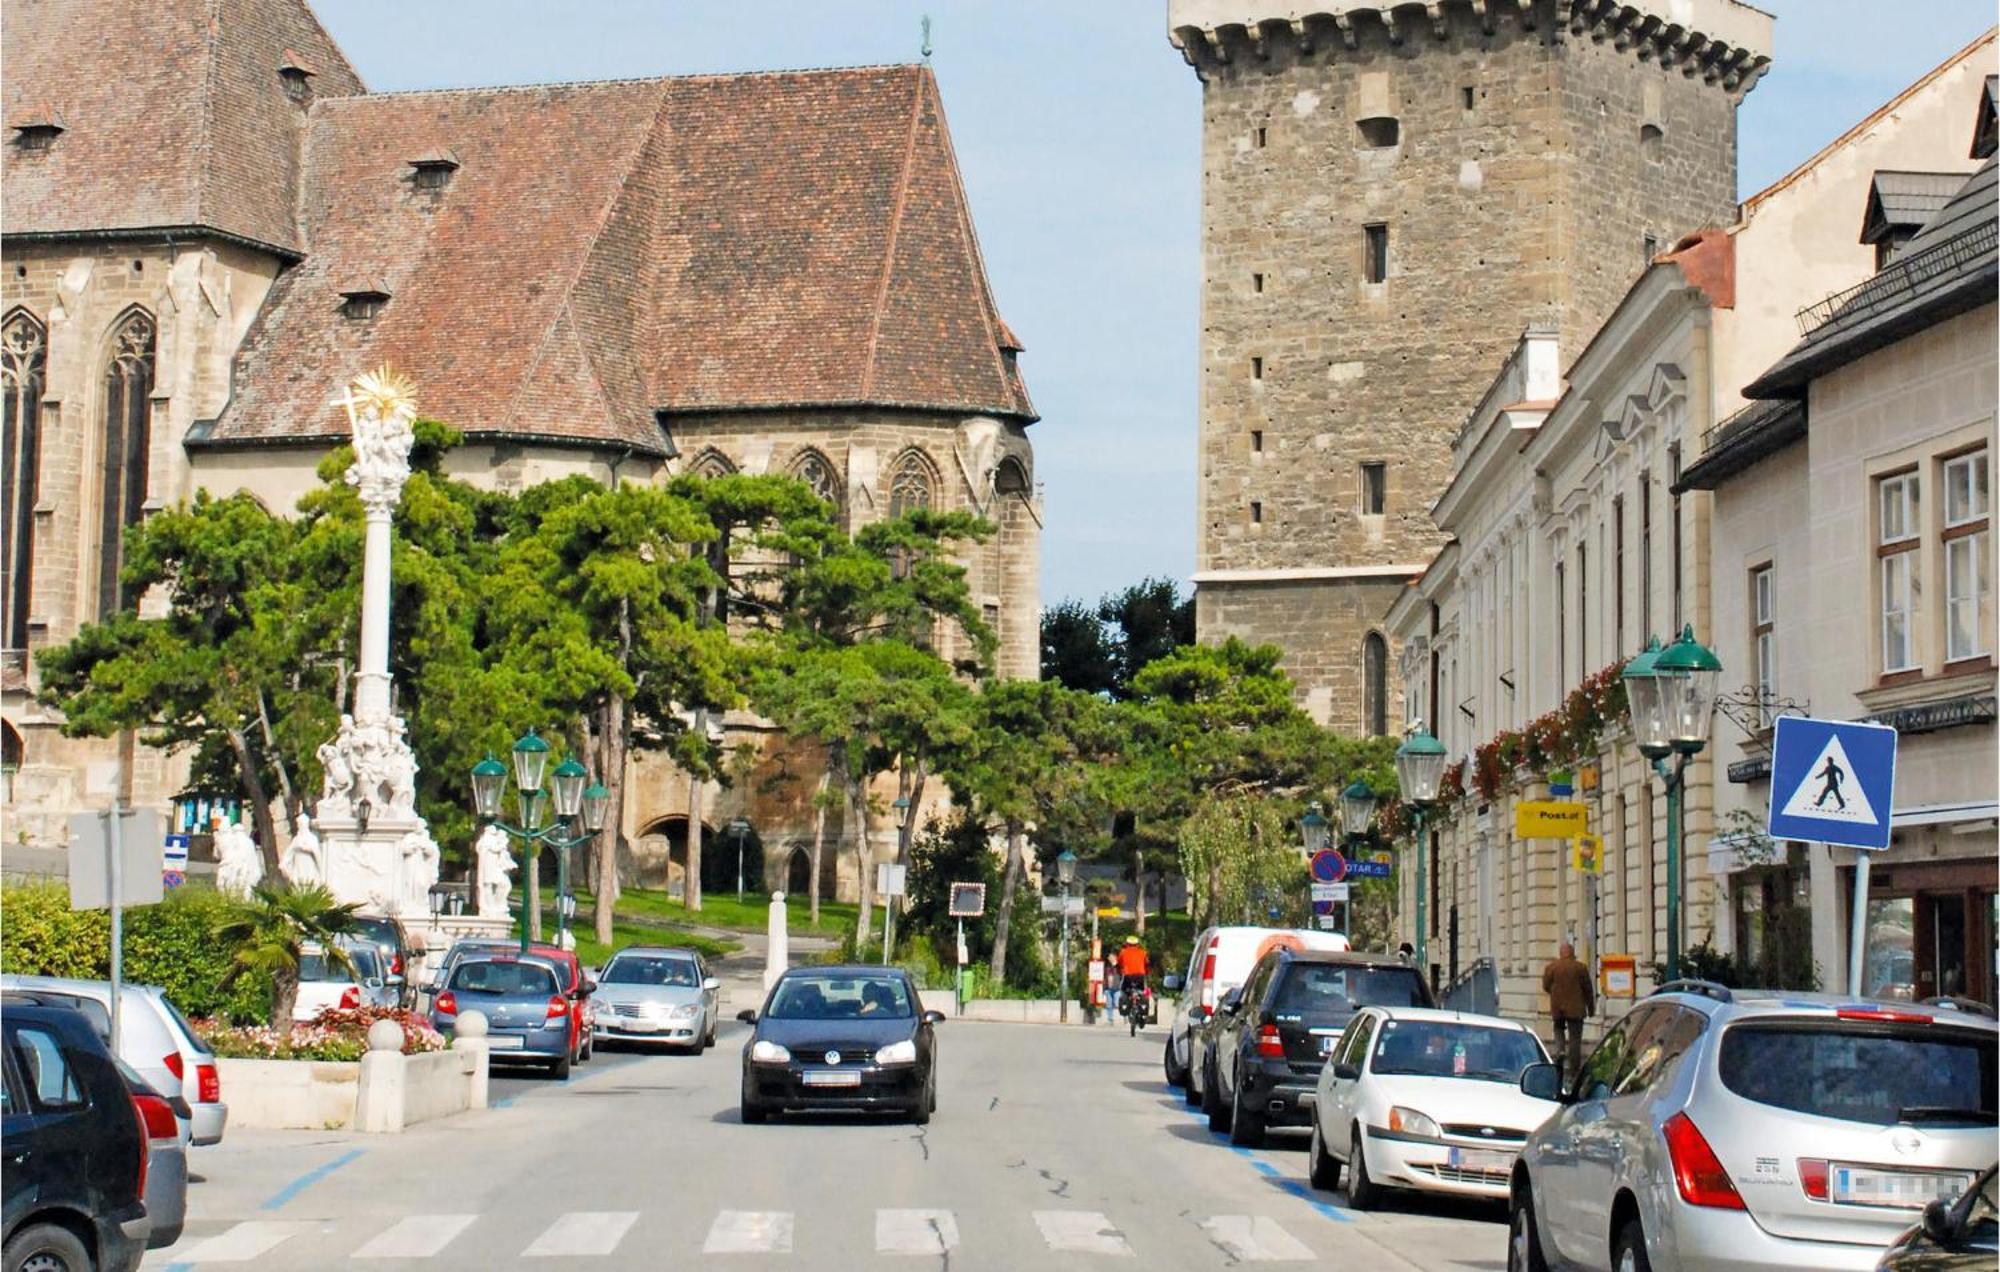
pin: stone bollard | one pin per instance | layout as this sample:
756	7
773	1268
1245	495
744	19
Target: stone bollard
778	945
469	1040
378	1100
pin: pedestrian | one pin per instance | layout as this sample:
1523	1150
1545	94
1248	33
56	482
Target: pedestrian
1571	998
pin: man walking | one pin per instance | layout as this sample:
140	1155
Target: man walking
1571	998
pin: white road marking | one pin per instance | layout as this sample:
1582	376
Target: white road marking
416	1237
750	1232
1254	1239
1082	1231
582	1232
915	1232
244	1242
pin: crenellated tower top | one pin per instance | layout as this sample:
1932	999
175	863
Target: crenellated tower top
1725	42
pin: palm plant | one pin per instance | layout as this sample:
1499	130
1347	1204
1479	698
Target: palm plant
270	931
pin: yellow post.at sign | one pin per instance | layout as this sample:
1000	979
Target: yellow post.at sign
1587	853
1548	819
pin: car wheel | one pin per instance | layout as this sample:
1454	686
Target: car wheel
1211	1100
1628	1252
559	1067
754	1114
1246	1129
588	1049
1324	1168
1362	1193
1524	1239
1174	1076
44	1247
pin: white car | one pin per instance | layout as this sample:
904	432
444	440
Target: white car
1222	957
1416	1097
324	983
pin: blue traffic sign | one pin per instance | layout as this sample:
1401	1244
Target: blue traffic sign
1833	782
1328	866
1358	869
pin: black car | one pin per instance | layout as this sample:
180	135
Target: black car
1955	1236
1268	1039
854	1038
75	1148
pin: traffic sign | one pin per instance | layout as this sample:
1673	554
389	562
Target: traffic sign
1548	819
1328	866
1054	905
968	901
1369	869
1587	853
1327	891
1832	782
889	879
1322	907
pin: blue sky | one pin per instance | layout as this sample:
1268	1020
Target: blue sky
1077	127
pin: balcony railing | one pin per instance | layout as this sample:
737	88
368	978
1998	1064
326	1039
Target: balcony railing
1903	279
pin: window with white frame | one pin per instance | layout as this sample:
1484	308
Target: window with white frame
1968	556
1763	641
1898	508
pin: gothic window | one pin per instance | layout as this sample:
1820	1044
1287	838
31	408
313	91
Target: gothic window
1010	478
128	405
1375	683
911	486
816	471
711	463
23	371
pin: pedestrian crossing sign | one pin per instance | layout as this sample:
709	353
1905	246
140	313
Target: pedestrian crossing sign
1832	782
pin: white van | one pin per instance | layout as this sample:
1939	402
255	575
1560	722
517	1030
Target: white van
1221	958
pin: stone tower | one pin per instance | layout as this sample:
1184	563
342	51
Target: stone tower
1391	193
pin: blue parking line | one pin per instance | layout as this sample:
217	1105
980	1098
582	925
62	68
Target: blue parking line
1297	1187
278	1199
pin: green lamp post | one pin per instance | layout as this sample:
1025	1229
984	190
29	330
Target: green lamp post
1419	772
579	814
1671	693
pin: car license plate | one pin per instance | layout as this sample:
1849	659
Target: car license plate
638	1024
504	1042
1481	1159
1912	1190
831	1078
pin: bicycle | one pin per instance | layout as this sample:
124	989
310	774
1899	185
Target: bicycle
1135	1003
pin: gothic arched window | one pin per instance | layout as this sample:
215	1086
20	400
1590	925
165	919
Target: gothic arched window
1375	683
912	485
816	471
128	407
1011	478
24	363
711	463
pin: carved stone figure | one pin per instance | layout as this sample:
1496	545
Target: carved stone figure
337	789
302	862
420	869
495	863
382	412
239	868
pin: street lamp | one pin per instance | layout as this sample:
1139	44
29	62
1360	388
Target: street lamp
1419	771
1357	808
741	829
573	803
1671	694
1066	875
1316	831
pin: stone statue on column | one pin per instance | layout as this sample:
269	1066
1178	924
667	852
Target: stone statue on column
495	861
239	868
302	863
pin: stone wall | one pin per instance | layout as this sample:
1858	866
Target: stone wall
1301	618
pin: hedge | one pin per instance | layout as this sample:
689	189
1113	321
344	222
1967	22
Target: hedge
171	945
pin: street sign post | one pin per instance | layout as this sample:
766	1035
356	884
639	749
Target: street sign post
1369	869
1587	853
1060	905
967	901
112	865
1834	782
1549	819
1329	866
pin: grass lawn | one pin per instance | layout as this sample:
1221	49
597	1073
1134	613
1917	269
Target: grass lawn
624	934
723	910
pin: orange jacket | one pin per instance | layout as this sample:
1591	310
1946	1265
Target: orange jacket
1132	960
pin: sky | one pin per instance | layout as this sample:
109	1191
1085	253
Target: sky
1077	127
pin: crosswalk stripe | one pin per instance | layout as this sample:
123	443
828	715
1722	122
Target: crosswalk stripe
416	1237
915	1232
1082	1231
243	1242
582	1232
750	1232
1254	1239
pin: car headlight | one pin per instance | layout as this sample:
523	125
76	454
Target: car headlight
904	1052
1411	1122
769	1052
684	1011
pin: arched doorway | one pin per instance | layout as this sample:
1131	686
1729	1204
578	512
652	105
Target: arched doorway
12	752
660	855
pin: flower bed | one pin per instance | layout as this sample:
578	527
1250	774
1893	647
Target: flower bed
334	1034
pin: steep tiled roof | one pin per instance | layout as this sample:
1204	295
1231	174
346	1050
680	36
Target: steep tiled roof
173	113
605	251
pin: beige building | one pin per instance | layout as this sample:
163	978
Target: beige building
1390	193
1575	536
757	273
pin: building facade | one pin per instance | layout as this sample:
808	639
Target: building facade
742	273
1390	193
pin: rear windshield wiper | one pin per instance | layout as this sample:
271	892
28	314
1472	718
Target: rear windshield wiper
1945	1113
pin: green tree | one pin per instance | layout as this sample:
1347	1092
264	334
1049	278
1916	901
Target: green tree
1077	652
270	931
1151	620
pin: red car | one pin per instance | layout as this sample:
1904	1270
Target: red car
569	972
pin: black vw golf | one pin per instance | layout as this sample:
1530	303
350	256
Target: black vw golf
841	1038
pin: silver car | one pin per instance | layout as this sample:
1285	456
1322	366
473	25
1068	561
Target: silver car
662	994
1719	1129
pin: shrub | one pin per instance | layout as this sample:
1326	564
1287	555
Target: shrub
332	1035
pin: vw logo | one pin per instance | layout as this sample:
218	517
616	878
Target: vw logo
833	1057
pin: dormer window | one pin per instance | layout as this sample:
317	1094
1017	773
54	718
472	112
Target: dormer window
296	74
38	129
1900	204
433	169
362	303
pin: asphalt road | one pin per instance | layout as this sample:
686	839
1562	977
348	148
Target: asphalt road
1051	1147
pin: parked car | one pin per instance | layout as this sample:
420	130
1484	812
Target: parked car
1414	1097
155	1039
1262	1052
575	981
1726	1129
75	1144
1220	960
653	993
855	1038
528	1016
1958	1236
393	941
326	982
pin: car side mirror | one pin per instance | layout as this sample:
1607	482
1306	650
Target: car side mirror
1199	1014
747	1016
711	985
1542	1082
933	1017
432	984
1347	1072
1171	983
1939	1224
589	987
393	979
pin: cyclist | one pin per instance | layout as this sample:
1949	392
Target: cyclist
1132	969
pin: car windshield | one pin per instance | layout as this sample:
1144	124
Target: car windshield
522	979
632	969
846	996
1865	1073
1450	1049
1337	990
